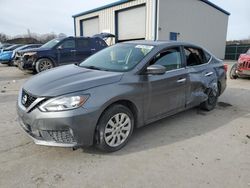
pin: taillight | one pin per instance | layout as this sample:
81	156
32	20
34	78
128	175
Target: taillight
225	67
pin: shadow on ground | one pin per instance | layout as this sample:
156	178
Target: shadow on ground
180	127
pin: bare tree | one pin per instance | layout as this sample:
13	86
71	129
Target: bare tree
3	37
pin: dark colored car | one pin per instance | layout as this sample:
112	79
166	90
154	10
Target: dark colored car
5	45
123	87
17	54
60	51
242	67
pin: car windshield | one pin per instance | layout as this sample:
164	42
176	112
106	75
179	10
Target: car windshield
118	58
51	43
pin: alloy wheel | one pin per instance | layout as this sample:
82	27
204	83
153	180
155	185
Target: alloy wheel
44	65
117	129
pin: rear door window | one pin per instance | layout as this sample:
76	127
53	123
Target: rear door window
194	56
169	58
100	42
82	43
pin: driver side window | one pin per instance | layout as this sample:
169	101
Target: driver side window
68	44
170	58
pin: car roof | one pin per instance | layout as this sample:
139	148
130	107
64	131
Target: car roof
160	43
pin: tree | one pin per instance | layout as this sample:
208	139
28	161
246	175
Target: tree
3	37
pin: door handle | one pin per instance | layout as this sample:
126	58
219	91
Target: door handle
209	74
72	50
93	49
181	80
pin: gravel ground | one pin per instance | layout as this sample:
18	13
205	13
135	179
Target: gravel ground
191	149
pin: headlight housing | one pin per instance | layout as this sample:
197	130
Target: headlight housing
30	53
63	103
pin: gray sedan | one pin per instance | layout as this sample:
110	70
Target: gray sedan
100	101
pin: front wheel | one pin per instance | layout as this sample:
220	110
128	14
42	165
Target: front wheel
10	63
43	64
233	74
114	128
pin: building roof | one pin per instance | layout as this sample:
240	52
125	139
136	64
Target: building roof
216	7
125	1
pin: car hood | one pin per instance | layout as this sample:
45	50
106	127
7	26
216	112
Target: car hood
34	50
244	57
6	54
68	79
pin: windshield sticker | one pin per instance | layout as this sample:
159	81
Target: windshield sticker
146	47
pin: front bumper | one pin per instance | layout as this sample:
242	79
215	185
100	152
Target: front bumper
4	61
243	73
243	69
66	129
26	64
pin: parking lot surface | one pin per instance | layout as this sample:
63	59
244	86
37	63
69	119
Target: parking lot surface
192	149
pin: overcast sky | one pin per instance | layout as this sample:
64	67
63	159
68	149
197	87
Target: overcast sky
45	16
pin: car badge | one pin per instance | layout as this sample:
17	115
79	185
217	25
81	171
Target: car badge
24	99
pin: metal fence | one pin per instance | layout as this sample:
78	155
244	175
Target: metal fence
233	51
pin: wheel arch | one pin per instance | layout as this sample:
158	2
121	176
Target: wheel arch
125	102
46	57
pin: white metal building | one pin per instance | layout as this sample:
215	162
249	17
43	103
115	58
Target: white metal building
197	21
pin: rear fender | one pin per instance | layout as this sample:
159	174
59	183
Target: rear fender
199	87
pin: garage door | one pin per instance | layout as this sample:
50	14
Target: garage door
90	27
131	23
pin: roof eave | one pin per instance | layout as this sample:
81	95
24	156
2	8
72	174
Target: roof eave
216	7
101	8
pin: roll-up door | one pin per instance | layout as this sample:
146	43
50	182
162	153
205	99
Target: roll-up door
90	27
131	23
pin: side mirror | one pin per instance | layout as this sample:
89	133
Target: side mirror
156	69
60	47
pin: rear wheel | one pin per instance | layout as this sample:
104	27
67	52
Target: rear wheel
233	74
211	101
114	128
44	64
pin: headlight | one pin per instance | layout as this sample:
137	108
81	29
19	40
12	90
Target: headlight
63	103
30	53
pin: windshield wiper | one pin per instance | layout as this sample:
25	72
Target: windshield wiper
92	67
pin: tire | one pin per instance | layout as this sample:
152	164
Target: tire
114	128
43	64
10	63
211	102
233	74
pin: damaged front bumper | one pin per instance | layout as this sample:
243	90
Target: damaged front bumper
243	69
26	62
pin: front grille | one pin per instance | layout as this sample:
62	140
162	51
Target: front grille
63	136
244	65
27	99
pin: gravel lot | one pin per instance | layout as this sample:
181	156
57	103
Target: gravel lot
191	149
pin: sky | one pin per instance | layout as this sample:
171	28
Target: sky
47	16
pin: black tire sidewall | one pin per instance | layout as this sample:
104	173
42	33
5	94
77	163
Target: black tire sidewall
110	112
232	72
206	106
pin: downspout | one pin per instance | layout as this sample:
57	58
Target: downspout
156	20
74	26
